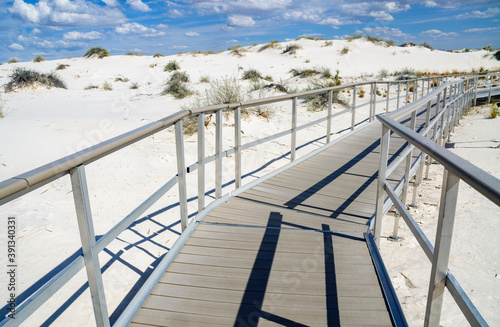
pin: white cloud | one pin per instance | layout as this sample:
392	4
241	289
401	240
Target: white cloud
232	41
138	29
240	20
179	47
16	46
437	34
490	12
82	36
162	26
192	34
310	15
334	22
138	5
380	11
386	31
430	4
55	13
484	29
36	31
177	13
111	3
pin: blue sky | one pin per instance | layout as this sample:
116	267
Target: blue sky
67	28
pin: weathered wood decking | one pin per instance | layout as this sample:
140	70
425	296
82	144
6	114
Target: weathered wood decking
290	251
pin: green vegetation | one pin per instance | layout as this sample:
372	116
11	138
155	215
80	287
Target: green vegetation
353	37
39	59
172	66
61	67
13	60
272	44
26	78
134	86
427	45
91	87
121	79
344	51
106	86
307	72
204	79
176	86
157	55
133	53
319	102
251	74
96	52
494	111
328	44
292	49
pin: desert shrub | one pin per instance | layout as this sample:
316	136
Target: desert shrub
344	51
61	67
91	87
272	44
268	78
494	111
378	92
121	79
238	51
353	37
24	78
106	86
134	86
427	45
383	73
361	92
2	114
488	47
328	44
304	72
325	72
224	90
251	74
405	73
13	60
133	53
157	55
39	59
280	87
319	102
373	39
292	49
96	52
172	66
389	43
257	85
176	86
204	79
497	55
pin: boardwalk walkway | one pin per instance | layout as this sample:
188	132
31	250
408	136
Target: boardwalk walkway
291	251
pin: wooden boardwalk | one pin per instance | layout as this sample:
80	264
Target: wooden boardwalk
290	251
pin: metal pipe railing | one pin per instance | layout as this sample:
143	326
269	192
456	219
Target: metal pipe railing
74	165
454	105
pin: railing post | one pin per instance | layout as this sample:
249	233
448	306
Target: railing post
374	99
218	154
399	91
87	237
407	177
388	96
407	91
491	84
237	147
329	119
475	89
181	173
201	162
442	247
294	129
384	155
353	110
415	90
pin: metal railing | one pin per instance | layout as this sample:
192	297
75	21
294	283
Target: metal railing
74	166
450	102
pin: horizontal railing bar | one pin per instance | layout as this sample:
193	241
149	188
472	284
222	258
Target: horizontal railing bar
484	183
25	309
463	301
230	151
131	217
61	167
424	242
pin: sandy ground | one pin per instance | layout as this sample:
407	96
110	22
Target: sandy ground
475	245
43	125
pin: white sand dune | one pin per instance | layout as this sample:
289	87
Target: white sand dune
43	125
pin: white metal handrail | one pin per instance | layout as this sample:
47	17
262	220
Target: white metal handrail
74	165
454	105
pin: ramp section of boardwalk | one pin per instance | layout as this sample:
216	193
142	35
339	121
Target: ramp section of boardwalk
290	251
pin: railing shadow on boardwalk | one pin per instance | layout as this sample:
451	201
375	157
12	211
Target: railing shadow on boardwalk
116	257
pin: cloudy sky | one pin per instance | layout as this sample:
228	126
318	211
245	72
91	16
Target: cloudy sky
63	28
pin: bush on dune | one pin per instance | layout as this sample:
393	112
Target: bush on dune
176	86
39	59
172	66
96	52
26	78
